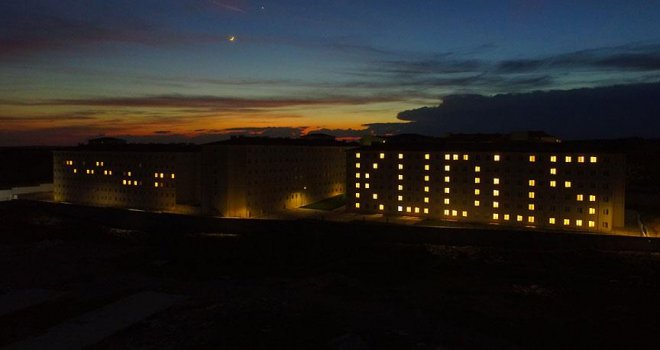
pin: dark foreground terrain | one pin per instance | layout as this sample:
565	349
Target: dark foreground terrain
321	285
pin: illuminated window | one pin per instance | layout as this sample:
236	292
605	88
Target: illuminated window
427	156
592	198
400	155
553	171
592	211
580	198
530	206
399	208
75	171
496	216
530	219
426	210
357	155
447	178
496	157
400	176
532	158
426	199
593	159
366	175
375	165
496	181
382	156
109	172
477	180
123	182
375	196
447	156
447	168
455	157
173	176
427	167
553	183
366	185
416	210
426	189
426	178
477	191
446	201
567	222
92	171
531	195
381	207
357	175
357	185
357	165
466	157
506	217
519	218
532	183
477	169
446	212
476	203
551	221
464	213
578	222
105	172
399	198
496	193
409	209
447	189
156	175
135	183
496	204
553	159
580	159
357	205
400	166
592	223
568	159
454	213
156	185
567	184
400	187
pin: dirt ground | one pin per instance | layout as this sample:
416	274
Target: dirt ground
282	288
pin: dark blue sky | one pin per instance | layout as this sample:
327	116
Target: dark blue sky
167	70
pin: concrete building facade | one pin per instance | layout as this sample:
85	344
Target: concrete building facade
247	177
555	185
149	177
240	177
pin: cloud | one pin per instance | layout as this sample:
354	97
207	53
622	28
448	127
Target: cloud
212	102
65	135
604	112
453	71
632	57
231	7
22	35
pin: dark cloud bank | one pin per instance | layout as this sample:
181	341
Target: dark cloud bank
604	112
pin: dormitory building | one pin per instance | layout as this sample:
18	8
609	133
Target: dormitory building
528	180
527	183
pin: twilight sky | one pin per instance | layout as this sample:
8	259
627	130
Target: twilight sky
170	71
